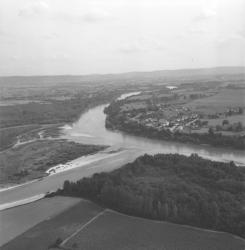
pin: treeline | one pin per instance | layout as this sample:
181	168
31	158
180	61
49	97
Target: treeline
175	188
116	120
52	111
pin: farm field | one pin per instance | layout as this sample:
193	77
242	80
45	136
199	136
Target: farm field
45	234
17	220
117	231
231	119
93	227
226	98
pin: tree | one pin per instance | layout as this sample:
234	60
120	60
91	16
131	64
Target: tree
225	122
164	211
239	127
210	131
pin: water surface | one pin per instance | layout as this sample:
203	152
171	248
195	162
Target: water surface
90	128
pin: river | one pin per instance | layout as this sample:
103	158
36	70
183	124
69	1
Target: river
90	129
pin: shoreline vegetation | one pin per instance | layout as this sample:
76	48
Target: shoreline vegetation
175	188
31	160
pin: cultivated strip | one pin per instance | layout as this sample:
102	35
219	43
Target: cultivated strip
81	228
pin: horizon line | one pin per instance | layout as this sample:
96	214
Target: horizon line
124	72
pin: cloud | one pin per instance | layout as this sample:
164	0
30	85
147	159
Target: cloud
58	57
231	50
232	40
88	16
142	45
95	16
51	36
241	32
14	58
34	9
132	48
41	8
3	33
205	15
198	30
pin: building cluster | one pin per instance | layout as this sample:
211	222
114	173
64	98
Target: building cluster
182	119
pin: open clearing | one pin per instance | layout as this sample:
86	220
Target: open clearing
93	227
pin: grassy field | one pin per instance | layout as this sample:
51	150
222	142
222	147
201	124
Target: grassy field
31	160
17	220
100	229
43	235
226	98
117	231
231	119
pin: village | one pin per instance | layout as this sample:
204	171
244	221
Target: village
184	120
175	116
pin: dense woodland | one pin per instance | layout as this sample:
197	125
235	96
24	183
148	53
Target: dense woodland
116	120
172	187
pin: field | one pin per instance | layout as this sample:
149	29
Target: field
227	98
117	231
92	227
8	136
17	220
45	234
133	106
31	160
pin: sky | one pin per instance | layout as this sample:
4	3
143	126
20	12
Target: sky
50	37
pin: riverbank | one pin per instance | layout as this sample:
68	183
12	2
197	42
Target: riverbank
32	160
216	140
188	139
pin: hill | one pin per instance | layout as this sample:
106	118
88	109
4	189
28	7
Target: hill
216	73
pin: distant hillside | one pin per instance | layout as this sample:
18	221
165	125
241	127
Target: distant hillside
218	73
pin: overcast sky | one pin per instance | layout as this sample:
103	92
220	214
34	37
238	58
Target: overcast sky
108	36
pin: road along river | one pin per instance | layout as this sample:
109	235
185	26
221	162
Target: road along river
90	129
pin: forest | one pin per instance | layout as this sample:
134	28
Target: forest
171	187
